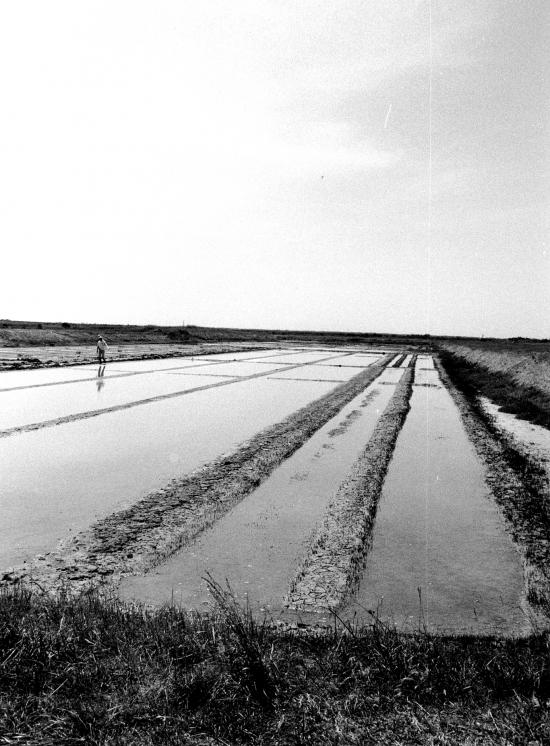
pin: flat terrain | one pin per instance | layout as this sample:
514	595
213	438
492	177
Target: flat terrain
332	486
265	467
38	334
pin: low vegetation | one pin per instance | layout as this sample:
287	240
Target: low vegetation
98	672
33	334
517	379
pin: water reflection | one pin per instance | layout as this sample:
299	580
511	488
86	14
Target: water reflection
100	382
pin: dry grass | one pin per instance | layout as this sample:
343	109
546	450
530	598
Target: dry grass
526	368
517	380
100	673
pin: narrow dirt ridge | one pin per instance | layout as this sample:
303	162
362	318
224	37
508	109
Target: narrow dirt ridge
521	497
134	540
334	561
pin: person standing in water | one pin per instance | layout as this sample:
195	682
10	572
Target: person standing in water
101	347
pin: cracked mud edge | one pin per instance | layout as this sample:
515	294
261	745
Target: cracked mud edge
334	562
134	540
519	492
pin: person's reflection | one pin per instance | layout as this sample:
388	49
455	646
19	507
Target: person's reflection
100	383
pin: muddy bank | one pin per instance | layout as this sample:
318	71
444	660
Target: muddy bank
136	539
335	557
519	488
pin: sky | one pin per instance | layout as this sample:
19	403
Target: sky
283	164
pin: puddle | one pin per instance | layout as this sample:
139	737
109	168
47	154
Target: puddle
438	529
258	545
59	479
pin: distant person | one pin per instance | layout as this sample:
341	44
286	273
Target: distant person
101	347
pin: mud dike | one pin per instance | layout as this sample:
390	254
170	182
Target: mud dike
334	561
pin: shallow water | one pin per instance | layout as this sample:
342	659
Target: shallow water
426	376
15	378
296	358
171	363
28	406
59	479
425	361
438	530
358	360
241	368
318	372
529	438
257	546
391	375
250	355
46	376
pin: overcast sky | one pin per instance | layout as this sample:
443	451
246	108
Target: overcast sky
267	163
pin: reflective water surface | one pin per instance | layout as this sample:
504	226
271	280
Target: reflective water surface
257	546
441	557
59	479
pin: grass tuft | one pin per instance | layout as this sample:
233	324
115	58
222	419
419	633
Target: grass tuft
100	672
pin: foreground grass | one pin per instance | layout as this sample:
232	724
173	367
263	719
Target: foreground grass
100	673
